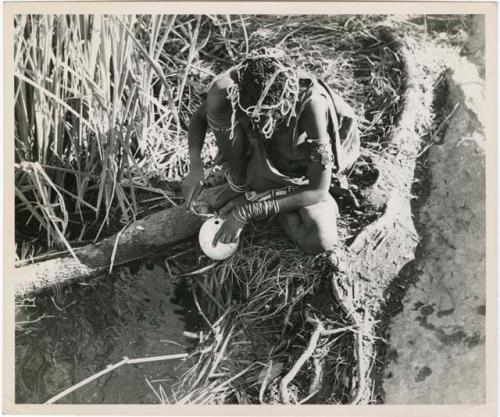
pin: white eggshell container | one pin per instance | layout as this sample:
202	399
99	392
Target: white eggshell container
207	233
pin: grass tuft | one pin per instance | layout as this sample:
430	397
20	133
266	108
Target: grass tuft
102	109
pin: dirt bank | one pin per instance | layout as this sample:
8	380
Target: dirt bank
283	327
437	342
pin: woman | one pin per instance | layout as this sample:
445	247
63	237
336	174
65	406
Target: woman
283	134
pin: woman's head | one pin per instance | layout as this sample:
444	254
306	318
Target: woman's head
254	77
267	90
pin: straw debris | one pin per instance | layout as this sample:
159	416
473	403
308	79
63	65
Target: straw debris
317	316
108	143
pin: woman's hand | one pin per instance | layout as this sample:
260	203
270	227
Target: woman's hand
231	228
232	204
191	186
229	231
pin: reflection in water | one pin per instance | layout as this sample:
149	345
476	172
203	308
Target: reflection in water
87	326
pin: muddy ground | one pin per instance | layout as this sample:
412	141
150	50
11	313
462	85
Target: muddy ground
436	350
439	334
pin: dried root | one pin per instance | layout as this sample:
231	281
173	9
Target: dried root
318	332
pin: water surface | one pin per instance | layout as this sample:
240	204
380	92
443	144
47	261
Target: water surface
78	330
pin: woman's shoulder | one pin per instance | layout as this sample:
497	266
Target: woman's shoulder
313	116
314	101
217	92
320	97
221	82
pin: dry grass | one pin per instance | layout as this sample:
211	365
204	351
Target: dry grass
259	338
95	135
103	104
100	111
255	303
250	304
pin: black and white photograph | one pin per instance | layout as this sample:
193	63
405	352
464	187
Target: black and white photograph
249	209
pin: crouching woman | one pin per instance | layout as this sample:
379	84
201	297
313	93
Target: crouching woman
292	134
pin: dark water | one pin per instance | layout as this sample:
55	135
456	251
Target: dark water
90	325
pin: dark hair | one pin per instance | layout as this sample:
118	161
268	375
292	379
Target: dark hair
267	91
253	77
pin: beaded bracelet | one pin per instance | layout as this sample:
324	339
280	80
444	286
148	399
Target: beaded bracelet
256	210
269	194
236	188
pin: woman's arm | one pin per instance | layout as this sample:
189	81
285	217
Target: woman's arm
191	186
196	134
315	123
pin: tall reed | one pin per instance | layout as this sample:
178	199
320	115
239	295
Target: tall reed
98	107
103	103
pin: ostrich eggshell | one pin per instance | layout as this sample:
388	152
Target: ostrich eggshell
207	233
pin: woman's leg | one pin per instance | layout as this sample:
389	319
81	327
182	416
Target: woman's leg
313	228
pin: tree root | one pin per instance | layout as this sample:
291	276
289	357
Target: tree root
318	332
392	233
316	383
345	296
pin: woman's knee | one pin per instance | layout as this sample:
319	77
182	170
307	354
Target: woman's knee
327	210
290	222
316	241
320	227
312	238
313	228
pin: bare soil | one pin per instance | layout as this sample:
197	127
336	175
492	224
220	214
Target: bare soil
439	333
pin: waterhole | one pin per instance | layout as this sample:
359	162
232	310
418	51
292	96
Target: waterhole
68	334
